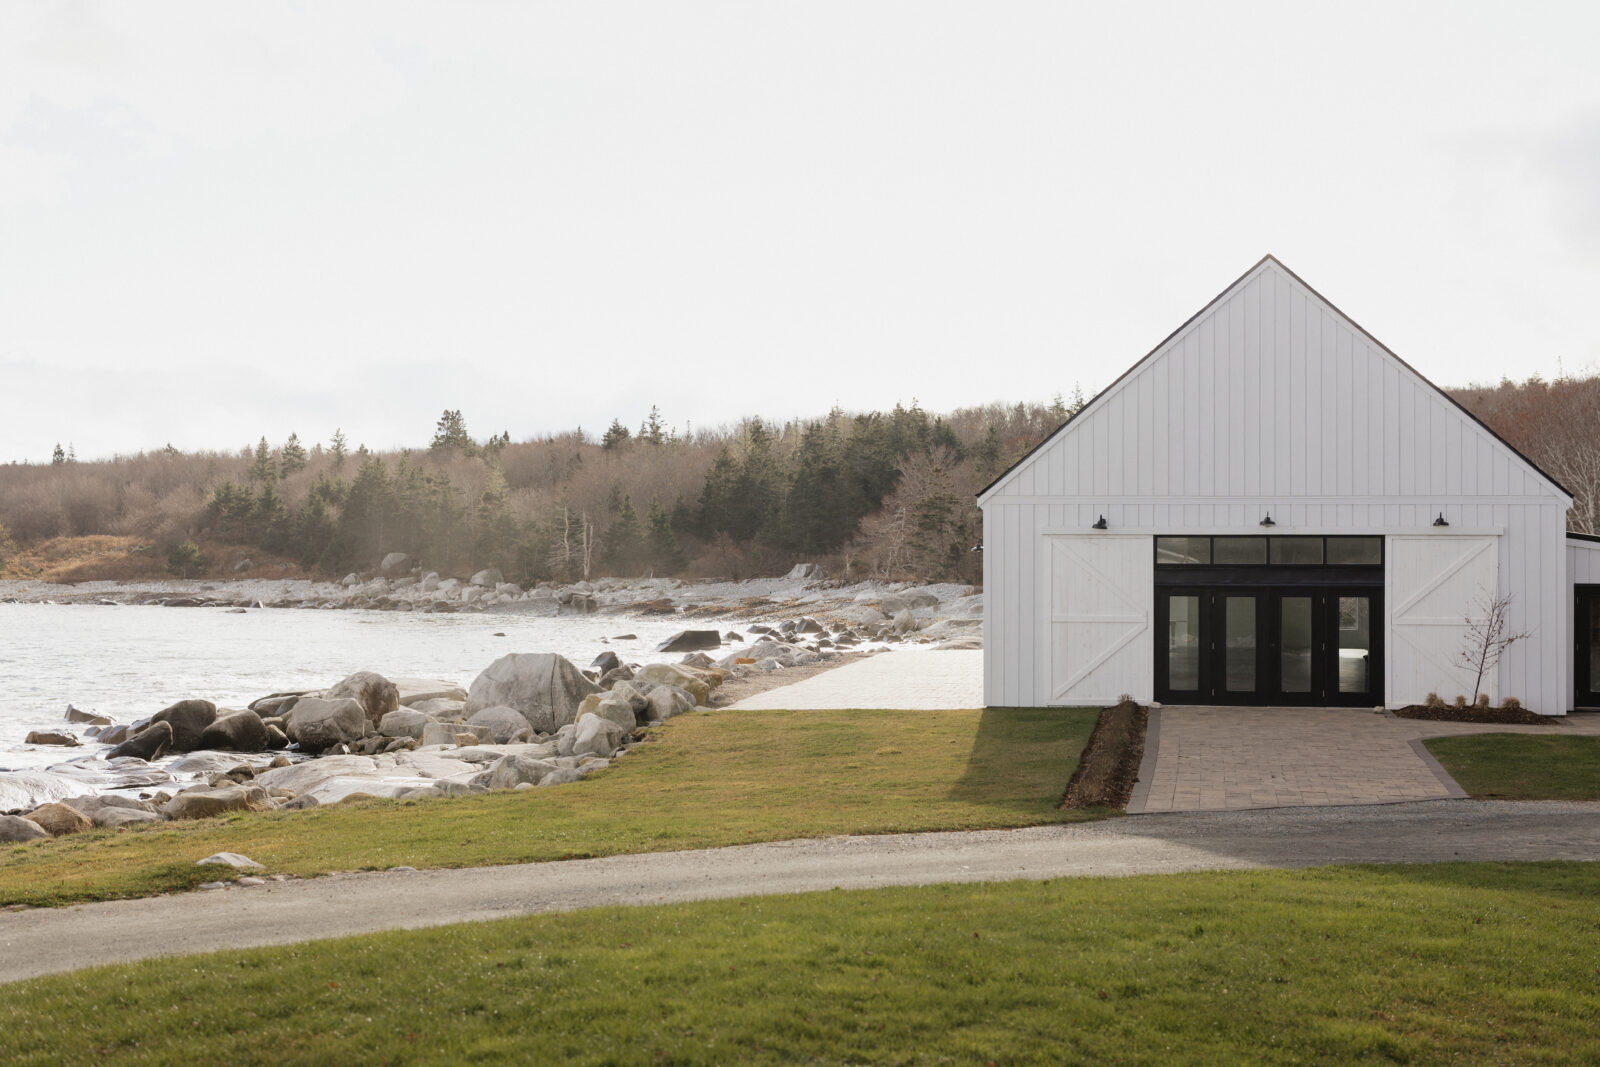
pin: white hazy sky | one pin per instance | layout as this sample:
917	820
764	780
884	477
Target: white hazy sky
222	220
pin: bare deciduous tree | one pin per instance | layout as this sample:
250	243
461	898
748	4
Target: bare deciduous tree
1488	637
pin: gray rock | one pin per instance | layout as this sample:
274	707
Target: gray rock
488	577
147	744
623	673
608	707
544	687
115	818
376	694
114	735
239	731
413	691
508	772
694	682
429	583
691	641
189	719
42	737
229	859
403	722
57	819
204	803
806	572
506	724
596	736
606	662
561	776
321	724
442	733
394	563
14	829
697	659
904	621
444	709
808	625
665	701
733	637
89	717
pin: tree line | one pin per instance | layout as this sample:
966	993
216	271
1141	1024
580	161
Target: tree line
879	493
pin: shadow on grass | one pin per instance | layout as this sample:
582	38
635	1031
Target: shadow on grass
1022	758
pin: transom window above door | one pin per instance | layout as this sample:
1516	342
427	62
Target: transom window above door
1288	551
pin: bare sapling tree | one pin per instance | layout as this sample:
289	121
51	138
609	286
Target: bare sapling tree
1487	637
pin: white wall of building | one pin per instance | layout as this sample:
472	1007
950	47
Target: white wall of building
1270	400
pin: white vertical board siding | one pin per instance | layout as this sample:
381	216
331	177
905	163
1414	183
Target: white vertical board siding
1271	400
1583	568
1101	593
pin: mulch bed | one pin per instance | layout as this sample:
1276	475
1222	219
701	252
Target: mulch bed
1110	764
1508	716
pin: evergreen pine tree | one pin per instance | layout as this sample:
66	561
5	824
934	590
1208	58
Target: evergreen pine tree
653	431
665	555
262	469
616	436
625	539
59	456
337	448
451	433
717	495
294	455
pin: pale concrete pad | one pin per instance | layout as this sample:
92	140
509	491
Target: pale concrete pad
1217	758
919	680
46	940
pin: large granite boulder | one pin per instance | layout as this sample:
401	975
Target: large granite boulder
414	692
321	723
596	736
691	641
692	680
488	577
189	719
665	701
544	687
506	725
403	722
619	711
511	771
395	563
376	694
14	829
237	731
58	819
606	662
204	803
147	744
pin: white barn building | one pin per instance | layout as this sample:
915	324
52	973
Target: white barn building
1273	508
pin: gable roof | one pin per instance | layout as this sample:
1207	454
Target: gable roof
1059	431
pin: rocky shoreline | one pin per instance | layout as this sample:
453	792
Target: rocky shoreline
931	614
528	720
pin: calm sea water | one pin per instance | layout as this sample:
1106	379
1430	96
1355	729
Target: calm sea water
129	662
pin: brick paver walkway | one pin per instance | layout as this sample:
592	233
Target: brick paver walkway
918	680
1213	759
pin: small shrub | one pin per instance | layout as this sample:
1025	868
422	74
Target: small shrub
1460	702
1483	701
1511	704
184	560
1432	701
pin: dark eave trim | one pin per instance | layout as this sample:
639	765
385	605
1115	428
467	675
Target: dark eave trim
1356	325
1582	537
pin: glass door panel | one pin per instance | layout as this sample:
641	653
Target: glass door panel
1594	642
1295	640
1239	644
1183	643
1355	644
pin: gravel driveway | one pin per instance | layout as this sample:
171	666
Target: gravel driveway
43	941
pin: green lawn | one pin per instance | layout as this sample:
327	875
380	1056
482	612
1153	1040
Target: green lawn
1470	963
1522	766
708	779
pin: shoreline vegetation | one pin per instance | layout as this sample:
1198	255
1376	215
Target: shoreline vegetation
887	495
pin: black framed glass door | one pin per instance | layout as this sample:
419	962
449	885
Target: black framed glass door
1586	660
1240	645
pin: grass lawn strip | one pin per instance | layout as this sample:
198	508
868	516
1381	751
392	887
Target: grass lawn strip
1521	766
1426	963
707	780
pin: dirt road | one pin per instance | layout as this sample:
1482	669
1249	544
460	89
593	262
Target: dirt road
43	941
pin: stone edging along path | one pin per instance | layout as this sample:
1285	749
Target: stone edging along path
43	941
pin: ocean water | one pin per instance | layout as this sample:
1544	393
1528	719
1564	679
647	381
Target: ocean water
129	662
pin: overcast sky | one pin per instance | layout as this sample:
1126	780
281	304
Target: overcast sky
224	220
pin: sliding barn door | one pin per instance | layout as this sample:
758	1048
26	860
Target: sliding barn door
1435	583
1101	593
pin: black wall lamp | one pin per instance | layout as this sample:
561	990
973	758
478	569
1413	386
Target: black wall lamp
1100	523
1441	520
1268	520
